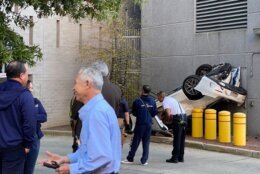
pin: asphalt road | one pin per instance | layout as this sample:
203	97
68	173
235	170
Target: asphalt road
196	161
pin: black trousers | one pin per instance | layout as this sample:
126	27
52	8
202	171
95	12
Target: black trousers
141	133
75	145
12	160
179	133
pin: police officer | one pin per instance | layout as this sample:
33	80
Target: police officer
174	110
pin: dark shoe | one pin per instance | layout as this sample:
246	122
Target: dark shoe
171	160
144	164
181	160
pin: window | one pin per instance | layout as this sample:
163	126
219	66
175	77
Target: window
2	73
2	68
31	32
100	38
80	35
57	33
216	15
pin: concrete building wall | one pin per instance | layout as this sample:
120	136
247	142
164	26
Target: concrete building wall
53	77
172	50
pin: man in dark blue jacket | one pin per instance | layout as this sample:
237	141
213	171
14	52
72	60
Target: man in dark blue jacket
17	119
144	108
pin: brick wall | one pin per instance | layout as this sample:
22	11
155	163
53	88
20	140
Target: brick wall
53	77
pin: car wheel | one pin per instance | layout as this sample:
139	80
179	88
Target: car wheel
188	87
203	69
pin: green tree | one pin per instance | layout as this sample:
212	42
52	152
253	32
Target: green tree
12	46
118	44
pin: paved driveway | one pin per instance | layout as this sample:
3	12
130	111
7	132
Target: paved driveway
196	161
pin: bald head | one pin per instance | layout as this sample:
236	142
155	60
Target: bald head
17	70
14	69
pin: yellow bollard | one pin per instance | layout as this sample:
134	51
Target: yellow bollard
197	123
210	124
239	129
224	127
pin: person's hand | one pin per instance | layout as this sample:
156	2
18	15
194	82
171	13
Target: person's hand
26	150
54	157
63	169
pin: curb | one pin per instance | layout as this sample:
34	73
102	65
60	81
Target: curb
210	147
57	133
188	143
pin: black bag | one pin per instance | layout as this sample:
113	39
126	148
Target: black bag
182	118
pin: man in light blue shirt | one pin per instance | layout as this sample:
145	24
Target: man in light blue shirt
100	147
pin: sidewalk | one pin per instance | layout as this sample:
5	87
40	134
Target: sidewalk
252	148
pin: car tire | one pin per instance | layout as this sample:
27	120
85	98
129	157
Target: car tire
188	87
203	70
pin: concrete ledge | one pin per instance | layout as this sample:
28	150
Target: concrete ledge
231	150
256	154
211	147
57	133
165	140
194	144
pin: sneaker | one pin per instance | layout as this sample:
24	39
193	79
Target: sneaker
126	162
144	164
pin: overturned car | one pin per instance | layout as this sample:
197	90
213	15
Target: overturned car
206	87
220	81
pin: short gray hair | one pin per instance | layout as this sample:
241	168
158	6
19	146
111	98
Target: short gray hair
92	75
102	67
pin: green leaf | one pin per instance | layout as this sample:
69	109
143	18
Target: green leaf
12	46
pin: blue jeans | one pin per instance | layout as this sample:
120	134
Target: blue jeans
12	160
31	157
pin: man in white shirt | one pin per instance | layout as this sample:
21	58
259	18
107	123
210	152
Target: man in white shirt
174	110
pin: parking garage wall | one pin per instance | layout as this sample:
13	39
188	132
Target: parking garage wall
172	50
